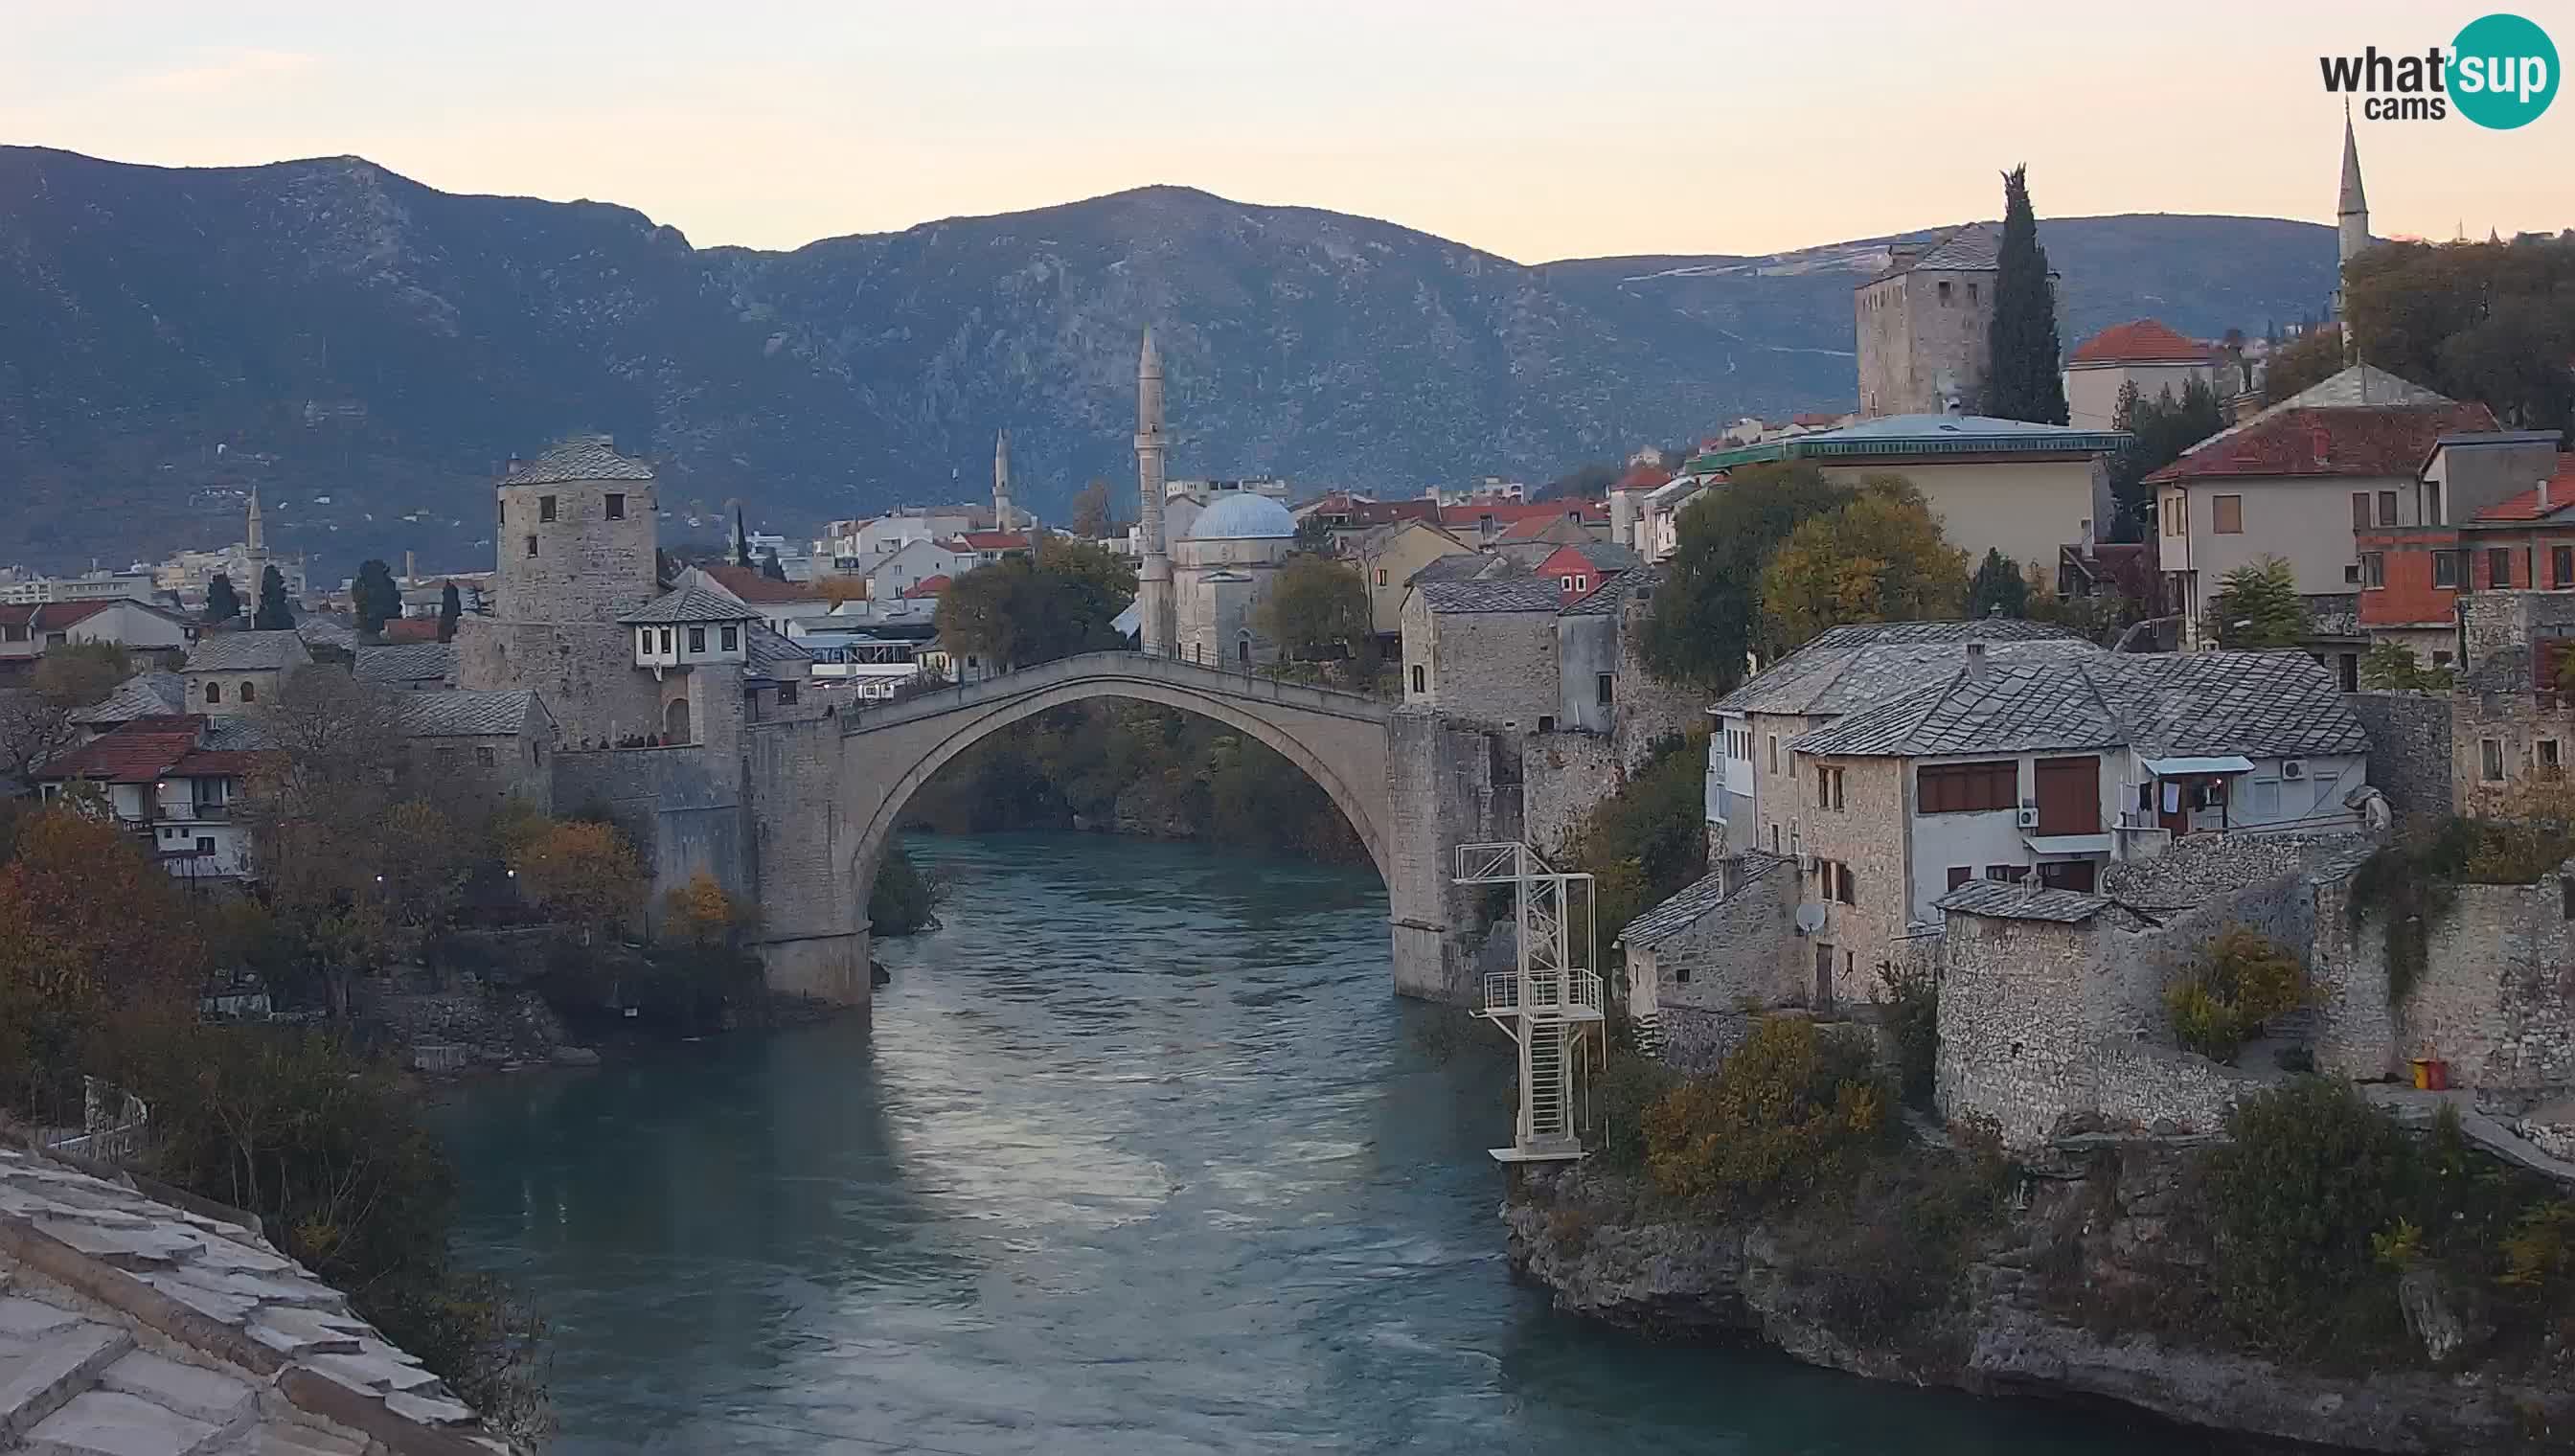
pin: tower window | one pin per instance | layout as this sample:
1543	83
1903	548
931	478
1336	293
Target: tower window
532	546
696	638
545	507
249	691
1605	687
1421	679
665	639
1944	293
616	507
732	638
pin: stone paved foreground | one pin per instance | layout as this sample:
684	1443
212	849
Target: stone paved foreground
131	1326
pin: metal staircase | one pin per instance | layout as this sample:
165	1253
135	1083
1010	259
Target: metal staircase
1550	1005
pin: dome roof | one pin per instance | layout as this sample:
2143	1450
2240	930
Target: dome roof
1244	517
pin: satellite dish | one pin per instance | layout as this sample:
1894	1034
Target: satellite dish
1810	918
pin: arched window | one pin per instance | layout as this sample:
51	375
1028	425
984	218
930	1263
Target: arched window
214	693
674	721
249	691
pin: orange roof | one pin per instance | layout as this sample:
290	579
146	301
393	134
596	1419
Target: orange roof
926	586
2141	341
410	629
1643	478
994	541
138	753
750	586
2540	501
1512	513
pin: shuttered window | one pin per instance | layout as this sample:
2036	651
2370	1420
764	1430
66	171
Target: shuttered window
1966	788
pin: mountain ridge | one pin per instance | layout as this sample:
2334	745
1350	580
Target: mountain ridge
344	331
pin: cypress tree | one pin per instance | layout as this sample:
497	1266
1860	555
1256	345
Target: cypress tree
741	541
223	604
451	610
2000	590
2023	382
273	614
378	600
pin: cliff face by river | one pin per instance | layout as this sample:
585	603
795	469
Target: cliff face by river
2093	1285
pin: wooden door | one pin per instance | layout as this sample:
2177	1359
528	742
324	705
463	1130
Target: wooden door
2069	795
1823	976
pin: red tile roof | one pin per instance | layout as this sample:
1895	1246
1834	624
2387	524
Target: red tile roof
2539	501
980	540
1512	513
410	629
219	763
926	586
138	753
2362	440
1816	421
1643	478
2143	341
752	587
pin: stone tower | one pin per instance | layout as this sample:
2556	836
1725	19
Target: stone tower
1154	630
1004	517
2351	223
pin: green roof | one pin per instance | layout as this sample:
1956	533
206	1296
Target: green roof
1920	435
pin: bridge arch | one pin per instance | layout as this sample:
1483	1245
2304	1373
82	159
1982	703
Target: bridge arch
1338	740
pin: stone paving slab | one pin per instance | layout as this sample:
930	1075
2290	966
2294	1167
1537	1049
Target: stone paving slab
110	1423
36	1382
197	1394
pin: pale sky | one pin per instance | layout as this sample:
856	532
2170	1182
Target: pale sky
1538	129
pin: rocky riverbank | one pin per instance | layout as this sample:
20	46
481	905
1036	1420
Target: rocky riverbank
2089	1280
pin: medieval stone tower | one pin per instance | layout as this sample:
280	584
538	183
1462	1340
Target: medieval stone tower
575	538
1156	628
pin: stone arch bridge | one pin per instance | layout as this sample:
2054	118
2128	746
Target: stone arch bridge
1408	783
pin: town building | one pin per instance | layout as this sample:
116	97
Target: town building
2474	494
1484	650
167	785
857	545
428	667
2143	352
1222	570
1342	515
233	672
2022	489
482	747
29	630
1923	323
186	574
1484	522
789	608
2302	481
919	560
1581	567
130	585
1658	532
1387	557
874	669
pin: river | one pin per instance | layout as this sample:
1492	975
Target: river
1139	1156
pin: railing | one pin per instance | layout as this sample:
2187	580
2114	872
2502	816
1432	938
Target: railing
1080	665
1574	995
112	1124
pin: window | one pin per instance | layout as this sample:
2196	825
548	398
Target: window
2387	507
2441	660
2432	503
696	638
2499	569
616	510
1604	687
1968	787
786	695
1421	677
214	693
1972	295
2007	873
643	640
205	843
1774	752
486	757
1381	575
2352	574
545	507
2360	510
2227	514
2561	566
1959	874
1944	293
730	638
1828	787
532	546
1564	583
2549	764
249	691
2374	568
1845	885
665	639
1774	839
1547	723
2445	569
2490	759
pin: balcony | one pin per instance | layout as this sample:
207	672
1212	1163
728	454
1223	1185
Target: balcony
1557	995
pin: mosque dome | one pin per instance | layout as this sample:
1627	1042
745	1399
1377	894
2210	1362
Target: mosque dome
1244	517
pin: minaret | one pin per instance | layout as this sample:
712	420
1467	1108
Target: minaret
255	535
2351	221
1003	516
1156	629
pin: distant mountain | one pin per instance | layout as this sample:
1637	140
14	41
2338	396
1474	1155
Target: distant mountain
366	349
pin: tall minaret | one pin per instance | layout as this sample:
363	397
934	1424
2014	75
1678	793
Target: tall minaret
1003	519
2351	221
255	535
1156	629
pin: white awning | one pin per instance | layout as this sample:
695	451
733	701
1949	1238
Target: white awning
2180	768
2067	844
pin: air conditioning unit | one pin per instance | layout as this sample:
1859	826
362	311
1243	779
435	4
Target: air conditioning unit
2030	818
2293	768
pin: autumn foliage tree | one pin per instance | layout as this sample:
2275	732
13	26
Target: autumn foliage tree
1706	619
1316	609
1879	559
584	871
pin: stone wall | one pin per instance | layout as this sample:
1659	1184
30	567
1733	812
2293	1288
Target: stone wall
482	771
811	934
1495	667
1564	775
682	808
2494	621
585	672
2495	999
1868	835
1648	708
1448	786
2517	724
1735	954
584	568
2409	748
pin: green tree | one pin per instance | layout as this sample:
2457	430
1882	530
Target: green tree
2257	606
79	674
273	614
2491	322
2301	364
1706	617
742	542
2000	590
771	567
451	610
2024	383
2163	427
1879	559
1092	516
2392	667
223	604
376	597
1316	609
1060	599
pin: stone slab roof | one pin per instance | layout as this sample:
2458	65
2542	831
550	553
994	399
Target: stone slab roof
689	605
1466	566
1507	594
1852	667
2259	705
247	652
406	662
579	458
466	713
772	655
1616	592
1695	899
2023	903
145	695
148	1325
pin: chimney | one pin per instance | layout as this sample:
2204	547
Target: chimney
411	569
2087	541
1622	517
1976	661
2543	493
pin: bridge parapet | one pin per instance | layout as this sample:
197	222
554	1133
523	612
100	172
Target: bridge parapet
1119	666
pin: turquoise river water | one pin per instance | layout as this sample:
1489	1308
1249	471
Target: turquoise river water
1139	1156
